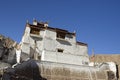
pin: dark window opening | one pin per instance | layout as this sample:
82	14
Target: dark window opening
61	35
60	50
69	36
111	75
35	31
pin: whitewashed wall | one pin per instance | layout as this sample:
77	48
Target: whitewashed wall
72	53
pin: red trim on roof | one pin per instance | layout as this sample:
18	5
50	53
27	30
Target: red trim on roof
50	28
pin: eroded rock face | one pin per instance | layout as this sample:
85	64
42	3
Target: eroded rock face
7	51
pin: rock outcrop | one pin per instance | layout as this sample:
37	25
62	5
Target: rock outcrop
7	50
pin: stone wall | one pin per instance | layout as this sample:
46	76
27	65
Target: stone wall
57	71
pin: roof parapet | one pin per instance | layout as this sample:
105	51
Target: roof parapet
81	43
35	22
46	24
43	24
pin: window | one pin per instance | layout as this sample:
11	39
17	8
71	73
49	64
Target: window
111	75
61	35
60	50
35	31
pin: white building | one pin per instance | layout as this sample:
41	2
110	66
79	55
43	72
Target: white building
52	44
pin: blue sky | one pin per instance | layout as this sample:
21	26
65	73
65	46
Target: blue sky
96	22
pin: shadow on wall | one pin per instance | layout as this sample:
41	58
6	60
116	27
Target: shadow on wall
28	70
117	67
64	42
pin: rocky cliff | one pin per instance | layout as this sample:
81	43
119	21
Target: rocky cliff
7	51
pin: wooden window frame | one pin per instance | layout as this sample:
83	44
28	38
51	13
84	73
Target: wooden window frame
35	31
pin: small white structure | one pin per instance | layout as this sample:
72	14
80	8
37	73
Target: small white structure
18	53
53	44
